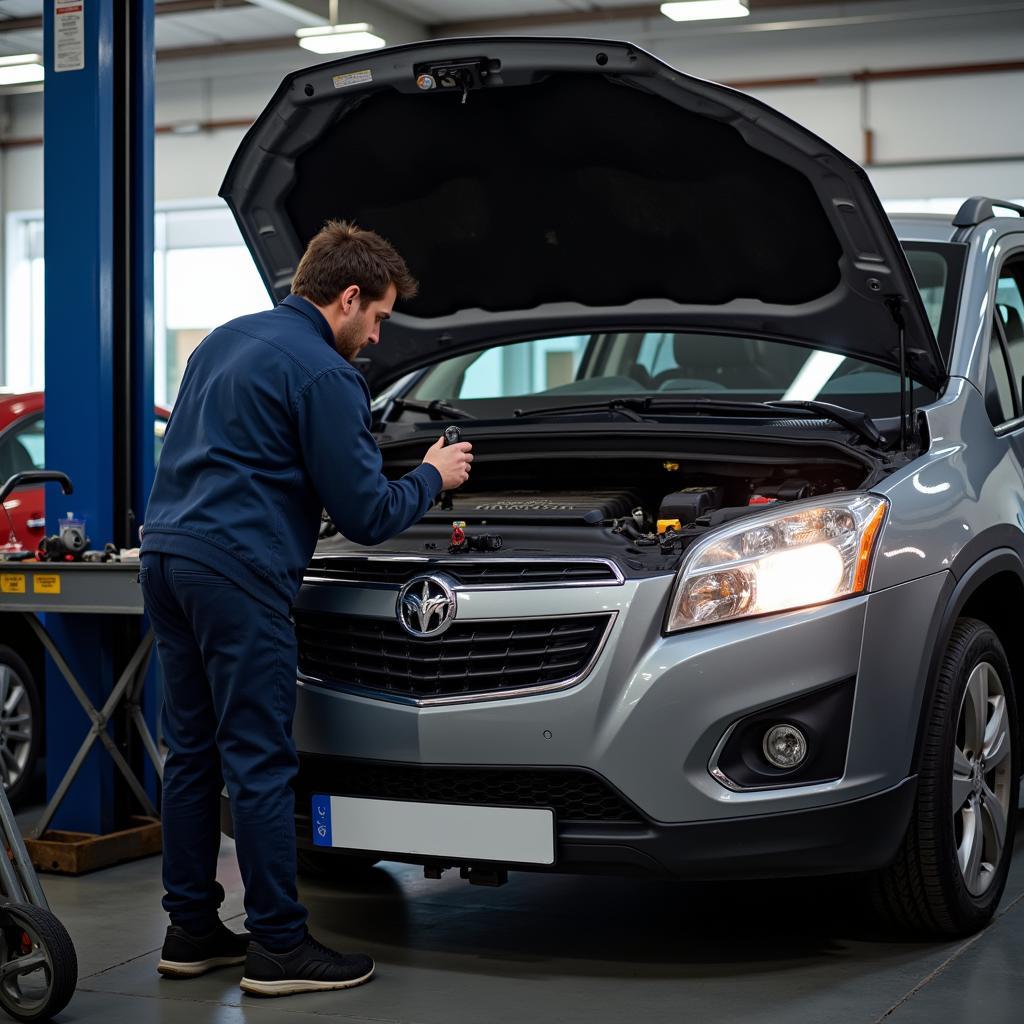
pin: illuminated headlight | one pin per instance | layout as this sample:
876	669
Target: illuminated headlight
798	554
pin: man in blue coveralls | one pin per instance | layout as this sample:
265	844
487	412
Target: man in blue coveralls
271	425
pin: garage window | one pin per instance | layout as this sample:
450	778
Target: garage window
202	275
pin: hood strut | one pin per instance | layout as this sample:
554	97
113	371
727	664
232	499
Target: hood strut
895	306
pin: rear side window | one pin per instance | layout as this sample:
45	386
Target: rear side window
998	394
1010	307
1007	346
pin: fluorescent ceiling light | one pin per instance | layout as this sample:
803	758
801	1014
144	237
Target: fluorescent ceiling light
21	68
705	10
339	38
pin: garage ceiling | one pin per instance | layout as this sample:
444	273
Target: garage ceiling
185	28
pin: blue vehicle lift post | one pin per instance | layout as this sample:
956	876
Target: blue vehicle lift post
98	180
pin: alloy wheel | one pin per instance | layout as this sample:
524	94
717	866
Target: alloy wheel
16	726
981	778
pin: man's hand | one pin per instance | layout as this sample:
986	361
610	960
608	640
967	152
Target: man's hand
451	461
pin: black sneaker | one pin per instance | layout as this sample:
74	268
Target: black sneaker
186	956
310	967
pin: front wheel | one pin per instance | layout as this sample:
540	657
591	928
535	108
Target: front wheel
949	874
38	965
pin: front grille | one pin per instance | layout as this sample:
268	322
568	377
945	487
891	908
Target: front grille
573	794
471	658
479	572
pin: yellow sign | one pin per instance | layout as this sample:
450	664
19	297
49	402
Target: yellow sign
12	584
46	584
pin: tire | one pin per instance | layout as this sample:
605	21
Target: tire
323	865
20	724
950	871
27	931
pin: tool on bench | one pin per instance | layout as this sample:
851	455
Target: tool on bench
12	550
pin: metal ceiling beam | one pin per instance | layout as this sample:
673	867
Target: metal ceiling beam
307	17
622	12
222	48
837	78
164	7
299	14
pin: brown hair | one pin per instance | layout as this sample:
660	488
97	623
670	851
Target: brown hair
341	254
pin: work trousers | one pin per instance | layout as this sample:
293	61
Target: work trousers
229	700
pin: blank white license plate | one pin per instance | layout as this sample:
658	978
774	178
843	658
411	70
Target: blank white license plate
511	835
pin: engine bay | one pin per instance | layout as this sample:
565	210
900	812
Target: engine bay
644	511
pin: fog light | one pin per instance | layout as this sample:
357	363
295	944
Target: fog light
785	746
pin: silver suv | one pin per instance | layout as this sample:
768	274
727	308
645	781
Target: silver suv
735	589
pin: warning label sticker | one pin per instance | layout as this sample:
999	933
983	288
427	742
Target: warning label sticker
46	584
11	583
353	78
69	35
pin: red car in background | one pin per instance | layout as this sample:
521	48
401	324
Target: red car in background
22	678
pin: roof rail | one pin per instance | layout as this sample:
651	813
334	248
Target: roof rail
980	208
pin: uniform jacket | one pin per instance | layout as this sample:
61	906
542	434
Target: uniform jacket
271	425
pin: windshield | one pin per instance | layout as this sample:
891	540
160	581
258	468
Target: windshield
596	364
634	363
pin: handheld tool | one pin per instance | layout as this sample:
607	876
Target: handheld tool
452	435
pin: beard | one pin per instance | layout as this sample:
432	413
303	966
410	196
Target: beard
349	340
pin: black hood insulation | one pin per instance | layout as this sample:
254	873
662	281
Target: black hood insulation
575	185
632	196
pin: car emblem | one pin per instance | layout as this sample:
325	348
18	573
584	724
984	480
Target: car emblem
426	606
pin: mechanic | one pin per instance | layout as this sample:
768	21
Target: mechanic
271	425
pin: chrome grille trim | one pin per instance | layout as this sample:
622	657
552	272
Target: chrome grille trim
317	573
337	685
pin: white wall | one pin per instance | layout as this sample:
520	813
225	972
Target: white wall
928	133
920	120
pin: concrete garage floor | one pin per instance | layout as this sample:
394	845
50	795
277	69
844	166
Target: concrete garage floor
551	949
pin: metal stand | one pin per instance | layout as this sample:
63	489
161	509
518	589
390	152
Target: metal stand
28	588
127	688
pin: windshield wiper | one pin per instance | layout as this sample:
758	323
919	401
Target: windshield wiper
437	409
859	422
623	406
633	408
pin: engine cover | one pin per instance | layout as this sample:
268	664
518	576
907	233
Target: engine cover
535	506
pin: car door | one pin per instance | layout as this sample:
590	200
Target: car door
21	449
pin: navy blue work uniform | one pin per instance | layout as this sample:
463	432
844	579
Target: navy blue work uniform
270	426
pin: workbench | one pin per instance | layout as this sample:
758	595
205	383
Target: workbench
92	588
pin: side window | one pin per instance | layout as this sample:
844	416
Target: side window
1010	310
22	448
998	396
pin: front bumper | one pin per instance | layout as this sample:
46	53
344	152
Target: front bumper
651	718
855	836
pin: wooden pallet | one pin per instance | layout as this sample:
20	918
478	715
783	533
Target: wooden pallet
75	853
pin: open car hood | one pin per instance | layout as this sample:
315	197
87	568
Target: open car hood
546	186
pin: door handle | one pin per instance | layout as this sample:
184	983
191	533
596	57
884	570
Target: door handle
36	524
